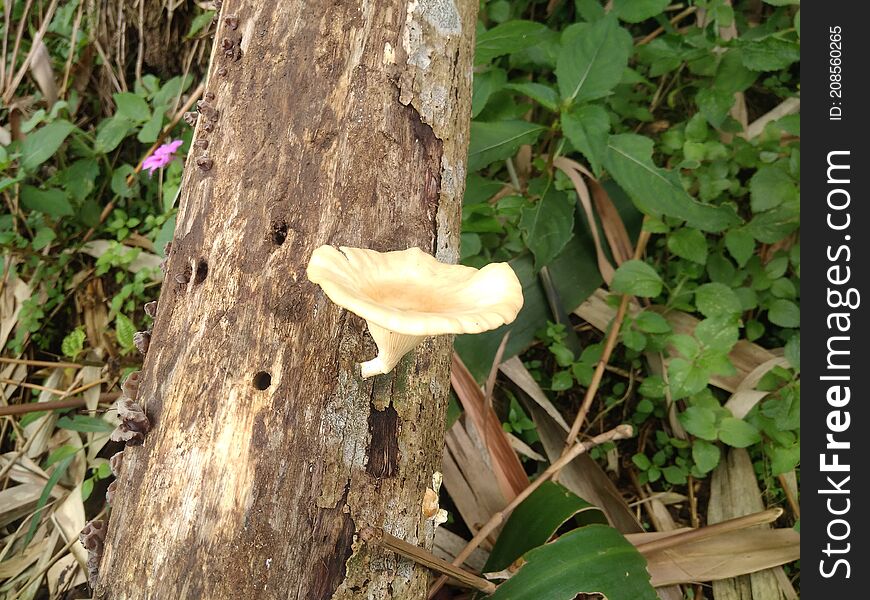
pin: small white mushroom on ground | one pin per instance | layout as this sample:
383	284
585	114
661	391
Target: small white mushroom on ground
407	295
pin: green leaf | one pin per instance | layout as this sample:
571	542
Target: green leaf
592	59
73	343
595	558
124	330
44	236
770	187
151	130
690	244
38	147
686	378
52	201
87	488
119	182
714	104
656	191
705	455
485	84
641	461
84	423
200	21
499	140
535	521
58	454
793	351
784	313
674	475
111	133
652	322
543	94
635	11
770	54
132	107
738	433
637	278
653	387
717	299
740	244
719	333
685	345
587	127
507	38
783	460
78	178
700	421
548	225
773	225
58	472
562	380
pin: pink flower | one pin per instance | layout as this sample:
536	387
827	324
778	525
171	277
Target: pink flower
161	157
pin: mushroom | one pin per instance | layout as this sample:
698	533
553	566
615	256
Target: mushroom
407	295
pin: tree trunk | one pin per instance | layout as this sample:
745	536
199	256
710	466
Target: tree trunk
337	123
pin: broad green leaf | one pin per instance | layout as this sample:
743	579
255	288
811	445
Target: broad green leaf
43	237
535	521
731	75
686	345
58	454
151	130
690	244
717	299
485	84
784	313
199	22
783	459
168	94
705	455
548	225
773	225
52	201
770	54
87	488
499	140
674	475
656	191
119	181
111	133
39	146
714	104
740	244
132	107
479	189
719	333
653	387
652	322
700	422
507	38
595	558
124	331
592	59
73	343
543	94
637	278
84	423
770	187
738	433
78	178
587	127
686	378
635	11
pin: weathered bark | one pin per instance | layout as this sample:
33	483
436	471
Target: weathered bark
341	123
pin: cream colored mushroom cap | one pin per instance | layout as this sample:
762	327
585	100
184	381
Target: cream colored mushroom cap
411	293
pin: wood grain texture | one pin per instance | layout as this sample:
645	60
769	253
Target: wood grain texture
337	123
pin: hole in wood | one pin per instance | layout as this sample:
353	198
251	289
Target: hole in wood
279	232
262	380
201	271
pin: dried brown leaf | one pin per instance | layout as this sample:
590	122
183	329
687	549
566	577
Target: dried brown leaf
509	471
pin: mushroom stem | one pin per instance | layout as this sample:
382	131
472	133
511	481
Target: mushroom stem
392	347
